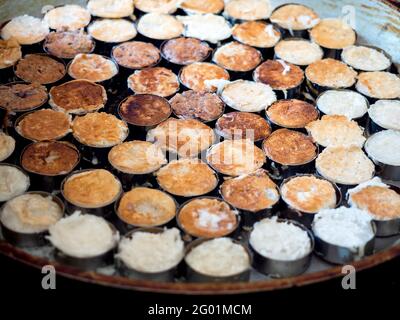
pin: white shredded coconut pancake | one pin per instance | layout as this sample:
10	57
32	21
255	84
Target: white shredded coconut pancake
69	17
151	252
25	29
13	182
379	85
250	96
158	6
83	236
280	240
343	102
248	9
110	8
112	30
384	147
345	165
376	198
365	58
160	26
335	130
30	213
345	227
299	52
209	27
219	257
7	145
386	113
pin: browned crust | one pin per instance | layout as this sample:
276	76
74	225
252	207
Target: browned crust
190	104
321	193
187	178
64	158
243	59
22	96
289	147
208	6
375	200
45	124
136	54
234	125
249	192
189	214
67	44
193	76
188	137
134	206
185	50
39	68
91	188
331	73
253	33
235	157
10	53
290	13
292	113
99	129
144	109
158	80
82	95
147	157
93	67
333	34
271	72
